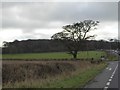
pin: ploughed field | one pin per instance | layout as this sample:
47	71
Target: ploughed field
55	55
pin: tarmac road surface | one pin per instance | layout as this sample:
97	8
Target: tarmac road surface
108	78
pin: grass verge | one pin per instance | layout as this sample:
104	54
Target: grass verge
111	56
78	79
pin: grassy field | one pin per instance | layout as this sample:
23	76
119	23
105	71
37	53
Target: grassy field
55	55
51	74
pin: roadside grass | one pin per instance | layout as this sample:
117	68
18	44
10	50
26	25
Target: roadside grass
80	80
77	79
112	57
55	55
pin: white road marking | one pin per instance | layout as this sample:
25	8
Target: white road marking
105	88
107	68
111	77
115	69
110	80
110	68
108	83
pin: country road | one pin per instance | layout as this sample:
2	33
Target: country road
108	78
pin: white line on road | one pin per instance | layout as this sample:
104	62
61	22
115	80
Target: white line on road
108	83
111	77
110	68
107	68
115	69
110	80
105	88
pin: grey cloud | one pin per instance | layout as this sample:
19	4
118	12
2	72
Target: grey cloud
40	15
77	11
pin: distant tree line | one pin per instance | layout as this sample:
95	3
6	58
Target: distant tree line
47	45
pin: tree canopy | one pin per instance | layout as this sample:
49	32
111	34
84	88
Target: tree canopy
75	34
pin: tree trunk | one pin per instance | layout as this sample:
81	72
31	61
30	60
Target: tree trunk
75	55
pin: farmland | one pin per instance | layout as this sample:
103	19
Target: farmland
55	55
48	72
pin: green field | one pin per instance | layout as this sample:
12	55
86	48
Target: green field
55	55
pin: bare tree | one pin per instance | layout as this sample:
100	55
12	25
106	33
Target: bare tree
74	35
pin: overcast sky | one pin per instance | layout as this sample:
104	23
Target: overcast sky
40	20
